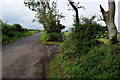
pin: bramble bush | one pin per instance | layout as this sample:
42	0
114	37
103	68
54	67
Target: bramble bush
54	37
83	37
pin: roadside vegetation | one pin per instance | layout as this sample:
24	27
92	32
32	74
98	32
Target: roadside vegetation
86	54
48	15
13	32
54	38
47	39
89	50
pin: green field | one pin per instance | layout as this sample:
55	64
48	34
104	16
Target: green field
66	35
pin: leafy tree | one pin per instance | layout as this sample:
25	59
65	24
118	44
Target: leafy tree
18	27
47	14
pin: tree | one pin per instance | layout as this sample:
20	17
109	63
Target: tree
75	7
47	14
108	17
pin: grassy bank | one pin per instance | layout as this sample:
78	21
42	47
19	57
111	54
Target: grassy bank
54	69
102	61
99	61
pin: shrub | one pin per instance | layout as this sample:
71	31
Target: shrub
54	37
5	38
83	37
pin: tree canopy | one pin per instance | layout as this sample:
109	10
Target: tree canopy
46	14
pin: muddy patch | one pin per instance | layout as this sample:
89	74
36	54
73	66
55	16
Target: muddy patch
52	50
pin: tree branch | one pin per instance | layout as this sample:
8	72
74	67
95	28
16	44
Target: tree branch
76	10
102	10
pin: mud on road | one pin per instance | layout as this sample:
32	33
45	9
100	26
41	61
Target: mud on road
26	58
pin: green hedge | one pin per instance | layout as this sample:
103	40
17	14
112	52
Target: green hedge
13	32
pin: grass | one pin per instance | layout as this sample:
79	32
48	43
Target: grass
119	36
54	70
24	34
106	41
66	35
92	65
43	39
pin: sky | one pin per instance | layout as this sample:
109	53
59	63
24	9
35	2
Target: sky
14	11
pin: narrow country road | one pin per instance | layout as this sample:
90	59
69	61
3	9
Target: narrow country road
26	57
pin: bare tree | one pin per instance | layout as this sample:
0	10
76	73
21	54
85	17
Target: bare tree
75	7
109	18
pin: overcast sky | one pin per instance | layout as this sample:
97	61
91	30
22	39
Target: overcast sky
14	11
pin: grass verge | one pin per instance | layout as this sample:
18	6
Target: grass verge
54	70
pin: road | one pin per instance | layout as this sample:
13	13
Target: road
26	57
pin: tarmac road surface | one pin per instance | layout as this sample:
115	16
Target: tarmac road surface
26	57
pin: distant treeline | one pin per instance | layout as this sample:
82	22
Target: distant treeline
15	31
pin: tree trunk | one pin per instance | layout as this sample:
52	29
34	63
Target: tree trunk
109	20
76	10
